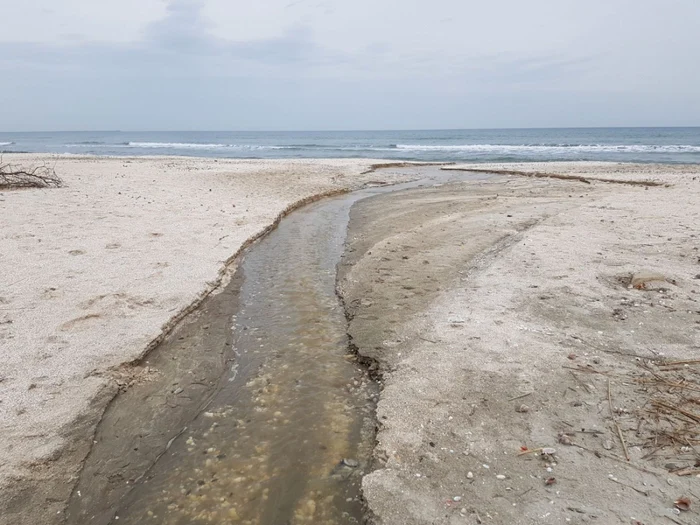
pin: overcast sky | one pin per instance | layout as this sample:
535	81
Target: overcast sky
347	64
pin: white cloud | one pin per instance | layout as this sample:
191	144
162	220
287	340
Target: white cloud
53	21
506	60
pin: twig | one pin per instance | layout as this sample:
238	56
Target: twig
13	177
520	396
539	174
612	414
666	382
587	370
687	472
674	363
615	458
167	447
644	492
687	414
622	440
584	385
17	282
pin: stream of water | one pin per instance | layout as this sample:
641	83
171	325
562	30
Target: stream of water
289	436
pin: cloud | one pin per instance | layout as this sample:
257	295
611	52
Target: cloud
179	40
182	30
51	21
300	62
183	40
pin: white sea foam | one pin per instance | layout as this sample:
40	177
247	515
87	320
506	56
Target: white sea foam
190	145
178	145
6	143
554	148
457	150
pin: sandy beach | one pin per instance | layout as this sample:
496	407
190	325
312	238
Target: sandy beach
501	315
94	273
520	326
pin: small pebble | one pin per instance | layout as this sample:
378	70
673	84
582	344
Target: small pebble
500	476
470	475
564	439
457	498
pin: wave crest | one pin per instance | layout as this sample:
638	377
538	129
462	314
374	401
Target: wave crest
177	145
554	148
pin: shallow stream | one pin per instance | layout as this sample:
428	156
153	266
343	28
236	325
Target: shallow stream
289	435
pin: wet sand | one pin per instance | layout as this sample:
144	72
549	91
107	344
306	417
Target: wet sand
502	320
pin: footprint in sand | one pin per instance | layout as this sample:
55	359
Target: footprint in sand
79	322
116	302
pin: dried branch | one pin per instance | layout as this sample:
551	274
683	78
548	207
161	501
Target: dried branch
16	177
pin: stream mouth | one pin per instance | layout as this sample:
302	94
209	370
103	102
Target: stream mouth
287	432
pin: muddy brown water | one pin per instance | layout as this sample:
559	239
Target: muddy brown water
285	435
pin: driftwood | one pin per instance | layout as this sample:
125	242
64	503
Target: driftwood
16	177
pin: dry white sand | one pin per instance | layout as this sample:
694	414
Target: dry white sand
91	273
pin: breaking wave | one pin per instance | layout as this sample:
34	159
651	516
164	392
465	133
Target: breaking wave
180	145
217	146
554	148
501	149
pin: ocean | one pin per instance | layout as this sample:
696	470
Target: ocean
674	145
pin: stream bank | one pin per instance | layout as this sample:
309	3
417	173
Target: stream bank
254	408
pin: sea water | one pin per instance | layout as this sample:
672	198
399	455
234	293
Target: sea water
676	145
